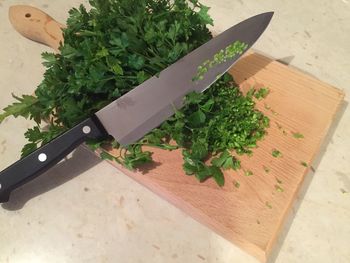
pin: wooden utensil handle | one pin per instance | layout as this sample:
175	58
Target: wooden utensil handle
36	25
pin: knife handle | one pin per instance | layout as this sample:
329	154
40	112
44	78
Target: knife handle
47	156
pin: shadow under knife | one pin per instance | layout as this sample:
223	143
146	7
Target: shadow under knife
82	159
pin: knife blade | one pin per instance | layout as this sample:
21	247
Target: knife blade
137	112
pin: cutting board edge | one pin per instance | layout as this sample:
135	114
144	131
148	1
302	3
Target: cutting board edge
323	143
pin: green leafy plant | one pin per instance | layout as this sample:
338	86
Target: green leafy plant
117	45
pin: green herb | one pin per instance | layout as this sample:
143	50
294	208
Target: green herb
232	50
298	135
236	184
303	163
266	169
26	107
261	93
106	156
268	107
268	204
226	161
274	112
279	188
276	153
279	126
248	173
117	45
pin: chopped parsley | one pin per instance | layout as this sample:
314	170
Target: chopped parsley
276	153
279	188
236	184
303	163
261	93
268	204
266	169
298	135
248	173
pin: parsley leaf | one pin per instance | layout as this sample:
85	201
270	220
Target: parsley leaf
25	107
204	16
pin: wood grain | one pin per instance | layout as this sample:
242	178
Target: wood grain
36	25
252	215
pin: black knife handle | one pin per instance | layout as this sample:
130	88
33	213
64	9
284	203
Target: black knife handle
48	155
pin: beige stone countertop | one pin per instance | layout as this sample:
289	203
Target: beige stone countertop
84	210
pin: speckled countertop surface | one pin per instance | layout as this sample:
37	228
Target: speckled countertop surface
84	210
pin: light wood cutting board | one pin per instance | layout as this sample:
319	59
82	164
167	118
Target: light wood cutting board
252	215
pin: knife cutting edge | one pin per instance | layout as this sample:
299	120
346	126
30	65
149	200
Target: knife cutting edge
137	112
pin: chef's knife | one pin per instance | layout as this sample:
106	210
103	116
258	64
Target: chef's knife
137	112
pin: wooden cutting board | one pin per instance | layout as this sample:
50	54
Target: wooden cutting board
251	215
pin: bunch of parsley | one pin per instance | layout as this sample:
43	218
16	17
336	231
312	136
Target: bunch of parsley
119	44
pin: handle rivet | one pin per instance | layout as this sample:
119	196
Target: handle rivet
42	157
86	129
0	186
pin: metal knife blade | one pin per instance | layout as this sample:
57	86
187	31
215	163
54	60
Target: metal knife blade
145	107
137	112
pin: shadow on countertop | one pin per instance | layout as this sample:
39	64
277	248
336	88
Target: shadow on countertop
81	160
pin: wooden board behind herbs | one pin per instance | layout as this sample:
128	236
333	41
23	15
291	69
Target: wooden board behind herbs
255	201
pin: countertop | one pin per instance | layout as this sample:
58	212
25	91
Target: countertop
84	210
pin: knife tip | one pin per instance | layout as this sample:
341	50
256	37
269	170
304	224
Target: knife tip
269	14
